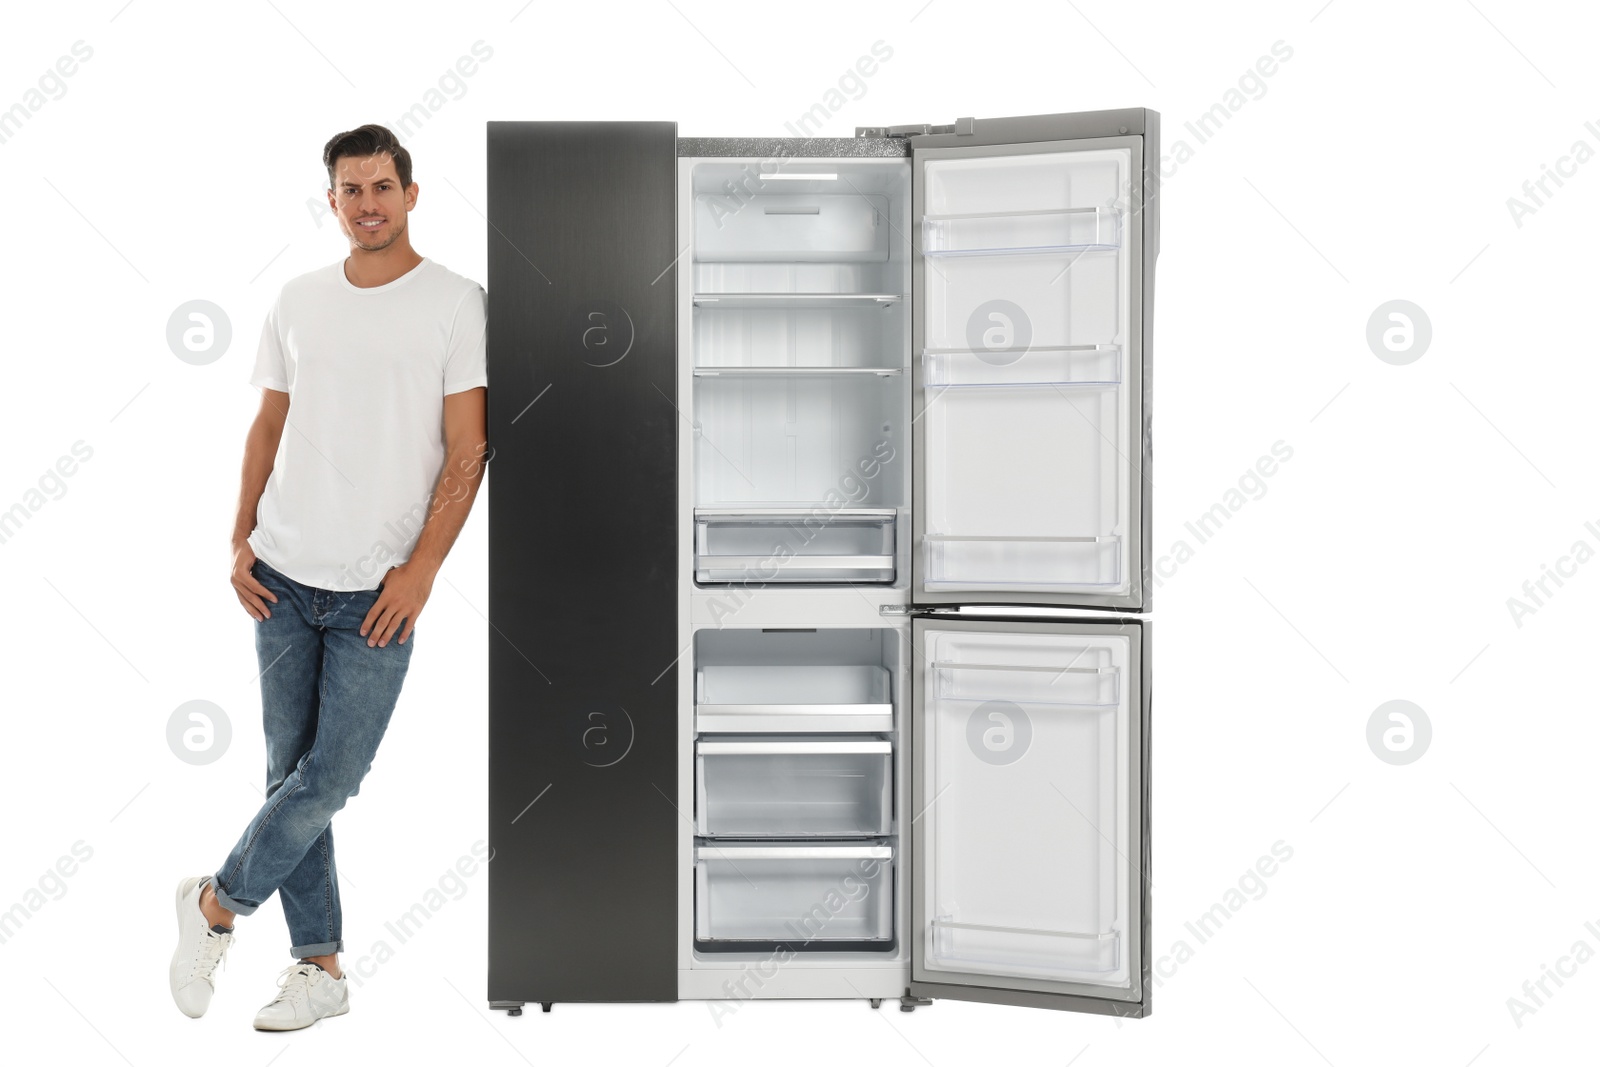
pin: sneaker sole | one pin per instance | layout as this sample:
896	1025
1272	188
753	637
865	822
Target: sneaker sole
273	1028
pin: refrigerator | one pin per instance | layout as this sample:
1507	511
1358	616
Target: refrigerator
819	535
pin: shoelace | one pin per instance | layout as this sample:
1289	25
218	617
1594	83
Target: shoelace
295	982
212	951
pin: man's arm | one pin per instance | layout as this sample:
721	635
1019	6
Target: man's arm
465	440
260	450
407	587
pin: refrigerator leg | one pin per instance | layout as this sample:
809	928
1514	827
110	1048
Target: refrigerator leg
545	1005
910	1003
875	1001
510	1007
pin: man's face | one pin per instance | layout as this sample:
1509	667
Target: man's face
369	200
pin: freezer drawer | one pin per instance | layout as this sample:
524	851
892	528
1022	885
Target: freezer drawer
802	545
816	786
831	896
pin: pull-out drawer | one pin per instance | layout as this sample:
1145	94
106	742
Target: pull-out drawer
793	699
793	787
804	896
855	545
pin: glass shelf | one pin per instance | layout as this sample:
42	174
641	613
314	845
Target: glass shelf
796	300
1001	233
1045	365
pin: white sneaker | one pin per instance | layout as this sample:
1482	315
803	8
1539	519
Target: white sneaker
200	949
306	993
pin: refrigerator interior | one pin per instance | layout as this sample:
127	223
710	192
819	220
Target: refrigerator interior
818	408
800	274
1025	412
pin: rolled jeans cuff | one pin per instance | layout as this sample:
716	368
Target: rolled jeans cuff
323	948
228	902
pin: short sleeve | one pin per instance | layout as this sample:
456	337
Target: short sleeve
465	361
271	369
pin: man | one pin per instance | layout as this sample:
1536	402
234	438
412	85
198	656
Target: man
376	365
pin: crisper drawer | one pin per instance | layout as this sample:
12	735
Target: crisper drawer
826	896
793	698
814	786
855	545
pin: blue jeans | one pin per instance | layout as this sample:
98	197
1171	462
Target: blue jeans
326	699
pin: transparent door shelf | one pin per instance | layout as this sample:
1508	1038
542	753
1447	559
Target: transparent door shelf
1067	685
1009	950
1043	365
793	787
794	372
794	545
996	233
965	561
828	895
792	698
712	301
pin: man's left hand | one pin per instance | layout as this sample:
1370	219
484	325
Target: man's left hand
405	589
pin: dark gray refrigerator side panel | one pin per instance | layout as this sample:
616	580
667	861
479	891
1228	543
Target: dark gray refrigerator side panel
582	498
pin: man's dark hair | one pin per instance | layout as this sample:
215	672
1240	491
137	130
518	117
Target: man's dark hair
367	140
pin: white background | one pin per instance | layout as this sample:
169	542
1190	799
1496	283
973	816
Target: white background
1375	564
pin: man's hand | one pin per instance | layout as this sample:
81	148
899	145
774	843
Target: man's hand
245	585
405	590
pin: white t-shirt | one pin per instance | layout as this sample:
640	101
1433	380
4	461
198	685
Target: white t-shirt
366	371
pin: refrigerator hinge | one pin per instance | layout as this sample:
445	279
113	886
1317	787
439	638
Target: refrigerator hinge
962	127
903	610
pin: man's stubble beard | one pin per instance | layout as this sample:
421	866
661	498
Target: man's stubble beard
395	233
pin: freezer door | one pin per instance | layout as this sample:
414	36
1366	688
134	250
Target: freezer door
1030	785
1036	241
